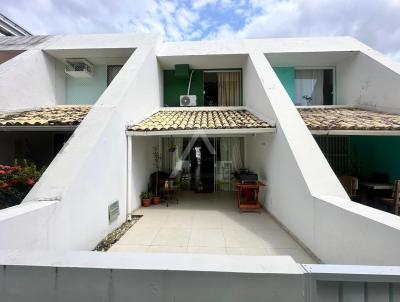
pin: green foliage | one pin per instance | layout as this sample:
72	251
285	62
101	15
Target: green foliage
146	195
16	181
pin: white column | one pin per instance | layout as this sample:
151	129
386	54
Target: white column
129	177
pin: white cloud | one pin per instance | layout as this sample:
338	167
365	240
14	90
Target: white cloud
376	23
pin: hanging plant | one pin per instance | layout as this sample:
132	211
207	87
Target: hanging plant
171	146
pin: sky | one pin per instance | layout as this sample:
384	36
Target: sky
374	22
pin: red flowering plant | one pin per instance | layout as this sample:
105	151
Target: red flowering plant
16	181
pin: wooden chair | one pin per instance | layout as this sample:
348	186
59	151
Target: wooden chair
394	200
350	184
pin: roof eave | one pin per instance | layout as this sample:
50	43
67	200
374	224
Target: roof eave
39	128
357	132
214	132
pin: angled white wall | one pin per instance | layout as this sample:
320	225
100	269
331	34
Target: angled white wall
90	171
31	79
370	80
304	194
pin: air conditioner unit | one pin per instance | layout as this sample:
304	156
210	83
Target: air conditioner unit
188	100
79	68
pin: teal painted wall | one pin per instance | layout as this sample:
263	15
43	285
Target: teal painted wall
86	90
175	86
287	77
376	154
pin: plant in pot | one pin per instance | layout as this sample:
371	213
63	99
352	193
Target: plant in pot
156	163
146	198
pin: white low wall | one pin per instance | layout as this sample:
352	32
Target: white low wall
90	276
351	233
90	171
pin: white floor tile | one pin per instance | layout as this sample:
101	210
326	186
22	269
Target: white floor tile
172	237
207	237
166	249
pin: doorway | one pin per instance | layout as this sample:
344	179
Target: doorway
203	164
202	157
223	88
314	87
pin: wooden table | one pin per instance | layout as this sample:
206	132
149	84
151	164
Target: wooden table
372	186
376	185
246	204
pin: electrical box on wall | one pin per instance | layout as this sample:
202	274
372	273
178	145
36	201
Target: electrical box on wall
182	70
113	211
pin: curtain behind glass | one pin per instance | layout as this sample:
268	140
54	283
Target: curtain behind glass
231	159
229	88
310	87
171	154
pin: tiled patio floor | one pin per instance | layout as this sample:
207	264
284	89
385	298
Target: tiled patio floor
208	224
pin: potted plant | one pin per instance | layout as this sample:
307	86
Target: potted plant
156	163
171	147
146	198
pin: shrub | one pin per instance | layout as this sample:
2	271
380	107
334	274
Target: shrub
16	181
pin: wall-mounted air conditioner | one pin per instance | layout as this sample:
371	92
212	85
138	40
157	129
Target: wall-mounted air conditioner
79	68
188	100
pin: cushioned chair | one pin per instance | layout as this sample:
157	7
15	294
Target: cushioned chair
394	200
350	184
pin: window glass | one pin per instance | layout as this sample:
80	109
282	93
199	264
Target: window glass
314	87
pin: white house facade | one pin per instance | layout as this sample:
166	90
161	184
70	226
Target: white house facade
299	113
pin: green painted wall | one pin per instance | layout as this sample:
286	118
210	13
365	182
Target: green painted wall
86	90
287	77
175	86
376	154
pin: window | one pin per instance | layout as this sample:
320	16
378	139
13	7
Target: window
222	88
337	152
314	87
112	71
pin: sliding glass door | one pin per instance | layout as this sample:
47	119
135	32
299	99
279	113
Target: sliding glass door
222	88
203	165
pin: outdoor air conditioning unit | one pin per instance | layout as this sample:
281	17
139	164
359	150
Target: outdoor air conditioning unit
78	68
188	100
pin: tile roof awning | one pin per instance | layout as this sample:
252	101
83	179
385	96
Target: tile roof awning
169	121
349	120
57	116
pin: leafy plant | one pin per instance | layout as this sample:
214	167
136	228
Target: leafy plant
156	163
146	195
17	180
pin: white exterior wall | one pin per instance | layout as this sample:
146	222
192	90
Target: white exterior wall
90	171
30	80
142	166
305	195
67	209
369	80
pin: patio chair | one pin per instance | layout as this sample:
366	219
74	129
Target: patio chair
350	184
169	191
394	200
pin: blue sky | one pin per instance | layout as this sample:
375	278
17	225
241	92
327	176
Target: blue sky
376	23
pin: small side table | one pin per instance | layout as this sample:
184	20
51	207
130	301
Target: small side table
243	189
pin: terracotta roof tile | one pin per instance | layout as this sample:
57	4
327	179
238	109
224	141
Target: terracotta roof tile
189	119
59	115
348	119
